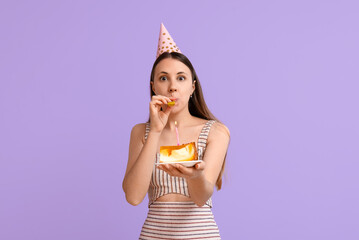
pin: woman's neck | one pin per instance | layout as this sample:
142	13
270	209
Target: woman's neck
182	118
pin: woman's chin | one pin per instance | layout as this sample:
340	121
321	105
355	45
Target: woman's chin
175	109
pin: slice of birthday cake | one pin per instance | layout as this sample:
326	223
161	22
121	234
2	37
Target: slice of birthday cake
181	153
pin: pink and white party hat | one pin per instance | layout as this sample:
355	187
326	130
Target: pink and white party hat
165	42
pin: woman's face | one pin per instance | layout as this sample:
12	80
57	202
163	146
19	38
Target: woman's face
173	78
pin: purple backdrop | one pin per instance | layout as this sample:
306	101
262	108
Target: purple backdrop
282	75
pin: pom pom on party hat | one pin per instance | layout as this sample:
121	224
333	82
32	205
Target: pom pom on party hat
165	42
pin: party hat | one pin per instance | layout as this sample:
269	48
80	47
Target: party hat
165	42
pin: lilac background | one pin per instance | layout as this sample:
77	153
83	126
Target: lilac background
282	75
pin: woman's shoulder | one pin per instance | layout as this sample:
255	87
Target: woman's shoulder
139	127
216	128
138	131
219	130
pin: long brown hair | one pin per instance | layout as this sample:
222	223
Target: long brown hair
196	105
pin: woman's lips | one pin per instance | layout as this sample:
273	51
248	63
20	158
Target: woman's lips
174	101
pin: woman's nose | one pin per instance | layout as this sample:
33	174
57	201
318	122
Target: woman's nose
173	88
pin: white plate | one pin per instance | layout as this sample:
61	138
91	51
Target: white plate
184	163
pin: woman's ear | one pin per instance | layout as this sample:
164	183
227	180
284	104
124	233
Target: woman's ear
152	87
194	86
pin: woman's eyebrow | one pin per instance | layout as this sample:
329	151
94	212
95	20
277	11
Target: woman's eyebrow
177	73
182	73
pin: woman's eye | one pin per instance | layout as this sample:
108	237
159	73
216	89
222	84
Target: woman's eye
163	78
181	78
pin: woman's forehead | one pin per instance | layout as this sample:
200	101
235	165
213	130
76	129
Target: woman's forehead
171	66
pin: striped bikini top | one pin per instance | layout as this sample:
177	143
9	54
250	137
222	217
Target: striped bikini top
162	183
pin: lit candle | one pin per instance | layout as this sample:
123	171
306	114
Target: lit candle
177	133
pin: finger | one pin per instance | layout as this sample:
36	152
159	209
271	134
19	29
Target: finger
165	168
168	99
174	171
200	166
184	170
167	171
156	103
164	99
162	167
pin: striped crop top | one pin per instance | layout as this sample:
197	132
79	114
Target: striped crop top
162	183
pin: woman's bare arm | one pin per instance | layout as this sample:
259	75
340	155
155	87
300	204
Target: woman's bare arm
141	156
201	188
141	159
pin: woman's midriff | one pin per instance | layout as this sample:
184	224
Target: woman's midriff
173	197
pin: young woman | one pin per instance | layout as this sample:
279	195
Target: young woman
179	197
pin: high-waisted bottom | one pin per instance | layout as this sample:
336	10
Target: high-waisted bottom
179	220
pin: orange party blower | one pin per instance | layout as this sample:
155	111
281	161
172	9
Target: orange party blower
171	104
